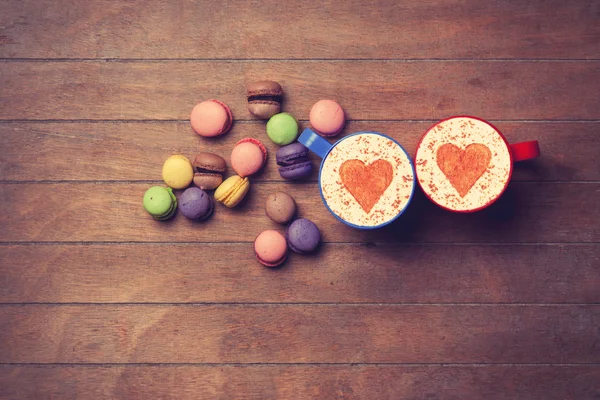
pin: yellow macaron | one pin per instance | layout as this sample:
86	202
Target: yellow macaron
232	191
178	172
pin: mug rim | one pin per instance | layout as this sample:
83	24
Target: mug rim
412	192
510	171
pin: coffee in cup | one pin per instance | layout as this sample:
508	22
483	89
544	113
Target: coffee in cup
366	179
464	163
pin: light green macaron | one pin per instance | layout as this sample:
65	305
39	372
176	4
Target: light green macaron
160	202
282	128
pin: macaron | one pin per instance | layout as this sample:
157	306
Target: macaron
282	128
280	207
209	170
177	172
232	191
160	202
211	118
270	248
303	236
327	118
195	203
293	161
264	98
248	157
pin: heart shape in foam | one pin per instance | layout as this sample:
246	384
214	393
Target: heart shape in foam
366	183
463	167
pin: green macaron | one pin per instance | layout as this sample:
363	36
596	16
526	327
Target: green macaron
160	202
282	128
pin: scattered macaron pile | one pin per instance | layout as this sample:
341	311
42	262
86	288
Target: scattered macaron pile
302	235
213	118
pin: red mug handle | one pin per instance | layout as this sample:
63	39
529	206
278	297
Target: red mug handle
525	150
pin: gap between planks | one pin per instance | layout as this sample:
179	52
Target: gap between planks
313	364
293	60
234	243
290	304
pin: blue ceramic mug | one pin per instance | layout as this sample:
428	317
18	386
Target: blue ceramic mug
366	179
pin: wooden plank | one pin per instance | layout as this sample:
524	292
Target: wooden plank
239	29
299	334
380	90
338	273
302	382
35	151
259	333
527	212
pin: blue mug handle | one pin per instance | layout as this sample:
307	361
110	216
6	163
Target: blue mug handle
315	143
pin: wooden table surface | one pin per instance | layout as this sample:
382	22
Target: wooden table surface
101	302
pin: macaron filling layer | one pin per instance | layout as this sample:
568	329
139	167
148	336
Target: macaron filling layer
264	99
201	170
232	191
271	263
296	172
169	214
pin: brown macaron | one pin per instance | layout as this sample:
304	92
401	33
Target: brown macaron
280	207
264	99
209	169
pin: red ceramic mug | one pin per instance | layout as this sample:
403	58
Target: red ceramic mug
464	164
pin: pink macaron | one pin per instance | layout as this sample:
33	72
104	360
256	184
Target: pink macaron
270	248
211	118
248	156
327	118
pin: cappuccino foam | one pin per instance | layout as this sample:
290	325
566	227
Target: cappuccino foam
463	132
367	148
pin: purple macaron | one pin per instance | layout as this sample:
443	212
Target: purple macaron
195	203
303	236
293	161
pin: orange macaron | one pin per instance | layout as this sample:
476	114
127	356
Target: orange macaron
248	156
327	118
270	248
211	118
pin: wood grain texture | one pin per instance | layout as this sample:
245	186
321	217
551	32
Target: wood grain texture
136	151
95	95
337	274
299	334
374	90
301	382
299	29
527	212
